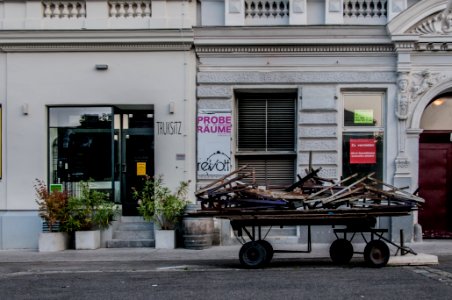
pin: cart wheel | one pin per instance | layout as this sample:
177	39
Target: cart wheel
252	255
341	251
269	249
376	254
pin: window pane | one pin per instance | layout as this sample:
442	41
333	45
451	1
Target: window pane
252	124
438	115
363	154
266	124
363	109
80	142
280	125
276	171
75	116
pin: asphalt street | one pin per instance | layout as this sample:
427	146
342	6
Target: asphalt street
146	275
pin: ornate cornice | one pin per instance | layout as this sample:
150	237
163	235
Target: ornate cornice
294	49
433	46
92	47
96	40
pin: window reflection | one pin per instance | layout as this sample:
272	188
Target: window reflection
80	140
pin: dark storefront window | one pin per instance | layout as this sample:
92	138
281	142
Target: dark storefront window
80	143
266	137
363	134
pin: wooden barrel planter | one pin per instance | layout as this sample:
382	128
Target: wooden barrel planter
198	232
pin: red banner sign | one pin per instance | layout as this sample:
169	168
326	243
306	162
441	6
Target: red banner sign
363	151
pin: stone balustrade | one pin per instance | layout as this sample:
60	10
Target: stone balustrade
129	9
259	12
64	9
365	11
123	14
97	14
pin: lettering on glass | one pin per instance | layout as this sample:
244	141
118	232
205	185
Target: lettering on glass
214	143
169	128
363	151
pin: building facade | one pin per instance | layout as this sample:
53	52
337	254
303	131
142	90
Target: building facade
112	90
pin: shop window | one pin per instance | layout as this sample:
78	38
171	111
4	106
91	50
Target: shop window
266	137
363	134
80	147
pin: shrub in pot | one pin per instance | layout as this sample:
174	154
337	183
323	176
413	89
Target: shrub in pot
52	206
157	203
87	214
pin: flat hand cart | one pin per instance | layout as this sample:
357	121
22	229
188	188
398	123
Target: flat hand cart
257	252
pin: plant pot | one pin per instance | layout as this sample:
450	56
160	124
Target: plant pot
165	239
53	241
105	235
198	232
87	240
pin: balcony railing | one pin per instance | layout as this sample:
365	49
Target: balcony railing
129	9
259	12
129	14
304	12
97	14
64	9
365	11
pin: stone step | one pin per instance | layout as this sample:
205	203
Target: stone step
127	219
133	234
136	226
139	243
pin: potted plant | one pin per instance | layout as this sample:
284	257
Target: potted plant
157	203
87	215
52	206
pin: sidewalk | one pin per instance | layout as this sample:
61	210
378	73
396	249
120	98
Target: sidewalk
427	253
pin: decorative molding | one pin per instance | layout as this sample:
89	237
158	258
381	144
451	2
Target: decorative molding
402	165
403	104
258	77
438	23
289	49
81	47
404	45
433	46
95	40
298	6
411	87
421	82
334	6
235	6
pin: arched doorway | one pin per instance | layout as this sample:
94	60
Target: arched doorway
435	168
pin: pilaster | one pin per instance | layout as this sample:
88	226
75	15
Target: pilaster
334	12
234	12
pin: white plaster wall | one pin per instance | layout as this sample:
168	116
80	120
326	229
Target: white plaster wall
43	79
2	141
212	12
28	15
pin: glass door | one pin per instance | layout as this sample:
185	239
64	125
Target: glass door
134	147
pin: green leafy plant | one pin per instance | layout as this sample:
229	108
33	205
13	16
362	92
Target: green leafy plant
91	210
51	204
158	203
